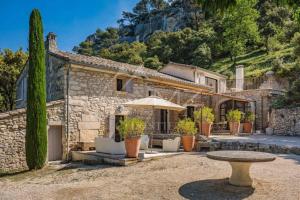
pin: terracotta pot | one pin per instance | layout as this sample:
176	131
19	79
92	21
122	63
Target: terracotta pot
234	127
248	127
132	146
188	142
206	128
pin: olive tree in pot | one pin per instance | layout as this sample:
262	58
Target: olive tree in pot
205	119
186	127
249	119
234	118
131	130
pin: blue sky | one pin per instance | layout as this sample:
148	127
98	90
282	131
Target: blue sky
71	20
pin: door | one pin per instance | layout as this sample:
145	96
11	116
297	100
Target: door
163	121
118	118
55	143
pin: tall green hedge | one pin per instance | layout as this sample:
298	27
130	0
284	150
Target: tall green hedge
36	129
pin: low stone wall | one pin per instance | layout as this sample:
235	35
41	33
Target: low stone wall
249	146
285	121
12	136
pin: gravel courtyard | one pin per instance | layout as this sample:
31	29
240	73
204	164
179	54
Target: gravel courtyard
188	176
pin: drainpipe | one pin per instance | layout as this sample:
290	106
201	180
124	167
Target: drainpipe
67	124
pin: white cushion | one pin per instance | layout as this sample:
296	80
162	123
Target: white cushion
109	146
171	145
144	142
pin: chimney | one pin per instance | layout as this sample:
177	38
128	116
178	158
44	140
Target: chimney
239	76
50	43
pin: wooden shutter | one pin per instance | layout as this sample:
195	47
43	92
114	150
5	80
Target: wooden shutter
112	119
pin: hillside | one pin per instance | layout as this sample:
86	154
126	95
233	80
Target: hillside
256	62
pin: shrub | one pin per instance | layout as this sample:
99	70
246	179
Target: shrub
234	116
131	127
186	127
274	44
36	124
249	116
152	63
207	115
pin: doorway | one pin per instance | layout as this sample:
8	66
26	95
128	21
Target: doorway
118	119
55	143
163	121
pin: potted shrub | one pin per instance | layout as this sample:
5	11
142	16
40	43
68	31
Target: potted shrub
131	130
234	118
207	120
249	119
187	129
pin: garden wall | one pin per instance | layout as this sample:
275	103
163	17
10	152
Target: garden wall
285	121
12	136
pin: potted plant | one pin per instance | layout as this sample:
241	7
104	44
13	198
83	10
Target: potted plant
205	120
249	119
187	129
234	118
131	130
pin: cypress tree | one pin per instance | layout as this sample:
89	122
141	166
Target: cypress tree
36	128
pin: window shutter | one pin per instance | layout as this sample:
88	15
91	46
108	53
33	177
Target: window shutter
129	86
112	119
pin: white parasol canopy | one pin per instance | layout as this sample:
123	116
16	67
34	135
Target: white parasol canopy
154	102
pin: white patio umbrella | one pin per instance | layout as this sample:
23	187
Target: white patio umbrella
154	102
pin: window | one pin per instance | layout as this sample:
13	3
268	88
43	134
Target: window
125	85
190	112
119	85
22	89
212	83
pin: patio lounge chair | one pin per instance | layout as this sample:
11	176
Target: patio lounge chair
144	142
109	146
171	145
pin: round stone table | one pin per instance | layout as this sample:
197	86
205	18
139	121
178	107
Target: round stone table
240	162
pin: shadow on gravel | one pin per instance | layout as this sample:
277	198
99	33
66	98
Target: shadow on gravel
214	189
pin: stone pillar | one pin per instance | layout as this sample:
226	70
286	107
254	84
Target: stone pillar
50	43
239	76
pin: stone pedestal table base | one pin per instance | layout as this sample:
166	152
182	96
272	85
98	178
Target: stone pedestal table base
240	175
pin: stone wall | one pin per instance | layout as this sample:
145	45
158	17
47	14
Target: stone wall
55	81
94	102
285	121
12	136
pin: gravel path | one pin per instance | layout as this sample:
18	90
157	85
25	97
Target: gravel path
188	176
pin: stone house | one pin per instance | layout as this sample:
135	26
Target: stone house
86	94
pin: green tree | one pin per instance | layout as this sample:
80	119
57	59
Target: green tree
132	53
272	21
240	28
11	65
152	63
99	40
36	127
222	5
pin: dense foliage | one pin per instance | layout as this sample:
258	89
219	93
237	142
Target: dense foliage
131	127
186	127
205	114
11	65
234	116
240	28
36	126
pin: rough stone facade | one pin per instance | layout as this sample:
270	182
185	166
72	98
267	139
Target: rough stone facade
12	135
285	121
55	81
262	100
94	102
